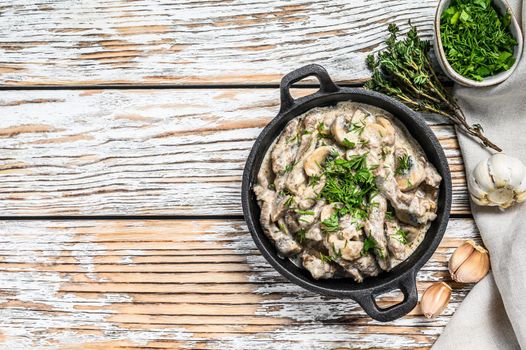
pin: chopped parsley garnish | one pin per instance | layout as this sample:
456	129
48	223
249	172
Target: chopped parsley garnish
301	235
288	168
304	212
389	215
350	183
292	139
322	131
358	127
337	253
364	143
348	143
285	192
314	180
400	235
332	223
370	244
289	202
327	258
385	152
404	164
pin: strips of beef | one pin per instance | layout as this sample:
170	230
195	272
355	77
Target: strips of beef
345	191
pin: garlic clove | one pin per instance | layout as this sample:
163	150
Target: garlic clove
460	255
521	197
499	169
475	189
483	177
517	171
480	201
435	299
501	196
469	263
499	180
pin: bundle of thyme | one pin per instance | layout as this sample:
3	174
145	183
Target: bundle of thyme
404	70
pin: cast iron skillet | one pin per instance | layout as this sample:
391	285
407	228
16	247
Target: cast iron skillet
402	276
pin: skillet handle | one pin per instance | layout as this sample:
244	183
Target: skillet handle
408	287
326	83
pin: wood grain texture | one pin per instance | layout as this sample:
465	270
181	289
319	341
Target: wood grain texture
183	284
141	152
113	42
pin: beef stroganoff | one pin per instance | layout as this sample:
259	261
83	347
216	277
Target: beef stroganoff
345	191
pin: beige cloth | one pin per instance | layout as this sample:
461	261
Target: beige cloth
493	315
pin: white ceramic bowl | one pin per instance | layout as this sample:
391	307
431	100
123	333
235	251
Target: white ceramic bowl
503	7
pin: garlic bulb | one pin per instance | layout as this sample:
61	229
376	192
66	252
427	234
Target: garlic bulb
499	180
435	299
469	263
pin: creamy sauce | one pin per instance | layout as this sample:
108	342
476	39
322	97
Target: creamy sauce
324	236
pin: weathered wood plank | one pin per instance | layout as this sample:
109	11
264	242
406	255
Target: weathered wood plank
129	152
193	42
183	284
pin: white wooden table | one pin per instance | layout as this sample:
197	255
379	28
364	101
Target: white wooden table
124	128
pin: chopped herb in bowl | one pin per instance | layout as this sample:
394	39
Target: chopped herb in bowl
476	38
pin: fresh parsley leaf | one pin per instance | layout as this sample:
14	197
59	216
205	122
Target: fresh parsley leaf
326	258
288	168
476	38
314	180
332	223
404	164
370	244
350	183
358	127
304	212
348	143
400	235
300	235
337	253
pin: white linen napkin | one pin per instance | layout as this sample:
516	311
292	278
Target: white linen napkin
493	315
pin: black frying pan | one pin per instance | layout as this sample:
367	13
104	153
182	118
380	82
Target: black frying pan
402	276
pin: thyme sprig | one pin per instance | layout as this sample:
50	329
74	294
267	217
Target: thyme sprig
404	70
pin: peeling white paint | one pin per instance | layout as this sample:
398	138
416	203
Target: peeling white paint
179	42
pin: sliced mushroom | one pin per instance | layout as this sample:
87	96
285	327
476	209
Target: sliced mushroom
378	134
314	162
341	134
